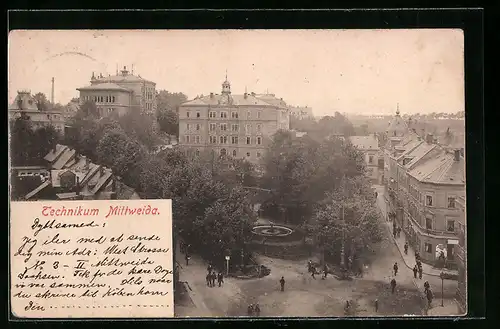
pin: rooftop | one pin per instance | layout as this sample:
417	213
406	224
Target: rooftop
237	100
369	142
441	169
24	101
104	86
123	76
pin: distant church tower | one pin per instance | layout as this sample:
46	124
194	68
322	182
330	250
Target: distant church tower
226	86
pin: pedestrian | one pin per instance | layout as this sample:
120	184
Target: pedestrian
395	267
220	278
257	310
415	271
214	277
429	296
209	268
187	259
325	271
313	272
208	279
250	310
282	284
417	256
420	272
182	247
393	285
395	232
376	194
427	286
406	248
399	232
347	307
376	305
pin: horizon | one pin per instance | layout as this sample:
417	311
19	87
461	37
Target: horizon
346	71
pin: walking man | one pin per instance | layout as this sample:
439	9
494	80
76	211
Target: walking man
429	297
415	271
376	305
420	272
325	271
406	248
187	259
282	284
257	310
393	285
208	279
220	278
250	310
395	232
427	286
214	277
399	232
395	267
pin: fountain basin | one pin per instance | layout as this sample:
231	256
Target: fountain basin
272	231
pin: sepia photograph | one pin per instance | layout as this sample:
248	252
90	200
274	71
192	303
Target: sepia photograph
311	173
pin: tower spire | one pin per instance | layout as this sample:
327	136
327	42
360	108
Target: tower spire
226	74
397	109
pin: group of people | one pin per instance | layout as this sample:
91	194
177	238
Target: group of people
212	276
417	269
311	268
396	231
253	310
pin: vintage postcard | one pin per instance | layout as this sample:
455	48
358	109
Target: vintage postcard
237	173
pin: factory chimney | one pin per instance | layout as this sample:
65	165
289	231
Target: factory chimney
52	94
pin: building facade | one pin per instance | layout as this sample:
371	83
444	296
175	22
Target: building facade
25	104
423	182
240	126
301	112
120	93
368	145
461	296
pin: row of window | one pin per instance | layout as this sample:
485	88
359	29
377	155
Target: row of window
221	140
100	99
234	153
224	114
224	126
149	106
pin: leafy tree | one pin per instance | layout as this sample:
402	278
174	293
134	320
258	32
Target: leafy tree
140	126
42	102
168	122
347	219
167	110
21	139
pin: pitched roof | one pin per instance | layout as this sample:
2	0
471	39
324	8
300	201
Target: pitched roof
26	100
122	78
441	169
105	86
365	142
238	100
273	100
397	125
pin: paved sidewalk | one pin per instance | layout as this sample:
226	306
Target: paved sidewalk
408	259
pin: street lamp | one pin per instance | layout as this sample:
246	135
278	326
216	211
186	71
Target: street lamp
442	288
227	265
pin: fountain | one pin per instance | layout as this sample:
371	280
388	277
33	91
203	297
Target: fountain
278	240
272	230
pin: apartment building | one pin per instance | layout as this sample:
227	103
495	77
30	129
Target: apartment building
240	126
368	145
120	93
461	253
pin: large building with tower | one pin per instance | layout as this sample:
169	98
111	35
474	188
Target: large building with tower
240	126
120	93
25	105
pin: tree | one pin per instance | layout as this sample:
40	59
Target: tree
140	126
21	139
168	122
88	110
167	110
41	101
347	220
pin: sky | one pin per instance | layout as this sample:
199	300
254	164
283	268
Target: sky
349	71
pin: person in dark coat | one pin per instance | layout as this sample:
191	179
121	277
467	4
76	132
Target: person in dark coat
393	285
282	284
429	296
209	280
395	267
209	268
220	278
420	272
214	277
415	271
187	259
376	305
325	271
427	286
406	248
250	310
257	310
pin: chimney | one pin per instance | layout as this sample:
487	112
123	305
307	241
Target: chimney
457	155
211	95
78	185
101	171
429	138
253	94
52	93
245	95
54	149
